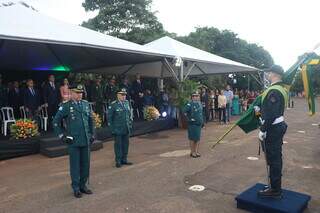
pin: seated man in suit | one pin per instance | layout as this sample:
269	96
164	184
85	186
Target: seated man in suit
31	100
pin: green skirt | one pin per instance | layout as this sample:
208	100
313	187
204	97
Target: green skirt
194	132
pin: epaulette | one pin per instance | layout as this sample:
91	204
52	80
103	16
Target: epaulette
85	101
113	102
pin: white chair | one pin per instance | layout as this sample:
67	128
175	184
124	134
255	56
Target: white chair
44	117
7	117
23	113
91	106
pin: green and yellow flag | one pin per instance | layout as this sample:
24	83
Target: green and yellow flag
249	121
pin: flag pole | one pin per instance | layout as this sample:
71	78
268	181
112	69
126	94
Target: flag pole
224	135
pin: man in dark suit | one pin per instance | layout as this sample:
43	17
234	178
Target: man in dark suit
137	96
31	100
15	99
3	94
51	97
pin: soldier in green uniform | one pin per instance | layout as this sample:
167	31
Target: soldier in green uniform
111	91
120	123
194	114
97	96
79	134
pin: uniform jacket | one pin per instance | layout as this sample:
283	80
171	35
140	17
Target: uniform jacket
272	107
119	118
79	122
97	93
193	112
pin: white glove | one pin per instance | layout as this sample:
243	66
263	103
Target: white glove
256	108
262	135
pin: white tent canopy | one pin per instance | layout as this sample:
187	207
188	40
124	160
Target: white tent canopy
30	40
194	62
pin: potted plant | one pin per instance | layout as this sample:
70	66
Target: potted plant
181	95
24	129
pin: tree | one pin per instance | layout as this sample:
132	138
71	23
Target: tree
227	44
131	20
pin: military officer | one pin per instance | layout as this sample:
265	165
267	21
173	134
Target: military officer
274	101
97	96
79	134
194	114
120	123
111	90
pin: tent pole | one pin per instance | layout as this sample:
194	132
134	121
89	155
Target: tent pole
254	77
170	69
201	70
189	71
127	70
181	71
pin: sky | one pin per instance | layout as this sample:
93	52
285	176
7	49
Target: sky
286	29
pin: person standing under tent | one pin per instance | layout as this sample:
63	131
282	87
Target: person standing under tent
79	135
51	97
31	100
15	99
111	90
229	95
65	91
97	96
137	96
235	104
222	103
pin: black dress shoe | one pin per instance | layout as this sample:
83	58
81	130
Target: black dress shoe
271	193
118	165
86	191
77	194
127	163
193	155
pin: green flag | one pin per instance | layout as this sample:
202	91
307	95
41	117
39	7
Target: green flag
249	121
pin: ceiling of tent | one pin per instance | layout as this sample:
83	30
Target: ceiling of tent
30	40
196	62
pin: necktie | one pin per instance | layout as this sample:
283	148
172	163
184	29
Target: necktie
32	91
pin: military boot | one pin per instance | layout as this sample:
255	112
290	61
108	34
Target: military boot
277	194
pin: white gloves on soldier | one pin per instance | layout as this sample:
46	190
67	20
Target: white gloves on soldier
256	108
262	135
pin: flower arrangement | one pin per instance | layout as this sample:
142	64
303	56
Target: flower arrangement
151	113
97	120
23	129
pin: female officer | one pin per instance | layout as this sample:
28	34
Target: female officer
193	112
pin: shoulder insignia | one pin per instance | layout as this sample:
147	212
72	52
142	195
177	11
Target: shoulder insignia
85	101
60	108
113	102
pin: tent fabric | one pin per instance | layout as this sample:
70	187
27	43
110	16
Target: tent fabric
200	62
41	42
32	41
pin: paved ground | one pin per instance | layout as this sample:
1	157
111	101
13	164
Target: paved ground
163	172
